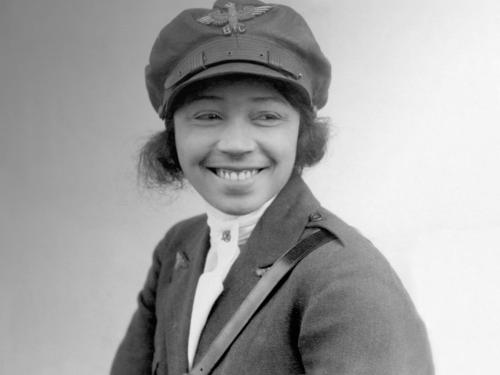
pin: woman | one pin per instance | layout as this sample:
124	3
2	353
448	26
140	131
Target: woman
238	87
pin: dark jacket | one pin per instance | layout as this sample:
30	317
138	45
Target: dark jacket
341	311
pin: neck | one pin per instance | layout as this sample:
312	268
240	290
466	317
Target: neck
220	221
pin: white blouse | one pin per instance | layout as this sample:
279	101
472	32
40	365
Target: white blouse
227	232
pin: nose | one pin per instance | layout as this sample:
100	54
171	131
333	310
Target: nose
236	138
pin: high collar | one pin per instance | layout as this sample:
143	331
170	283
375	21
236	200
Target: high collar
240	226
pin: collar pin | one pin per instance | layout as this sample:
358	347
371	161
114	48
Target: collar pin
226	236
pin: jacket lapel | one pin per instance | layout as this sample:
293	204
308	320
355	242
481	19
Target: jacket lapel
283	224
179	300
278	230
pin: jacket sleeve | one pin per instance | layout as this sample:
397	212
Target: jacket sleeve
359	320
135	353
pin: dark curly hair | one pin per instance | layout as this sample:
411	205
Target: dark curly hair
158	165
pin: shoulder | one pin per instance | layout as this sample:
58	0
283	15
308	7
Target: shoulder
349	244
180	233
350	299
346	235
351	264
186	226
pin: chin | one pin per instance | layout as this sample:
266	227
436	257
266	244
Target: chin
237	211
237	208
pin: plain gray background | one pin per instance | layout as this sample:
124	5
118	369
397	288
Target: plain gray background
413	163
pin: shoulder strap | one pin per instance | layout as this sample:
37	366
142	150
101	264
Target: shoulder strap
255	299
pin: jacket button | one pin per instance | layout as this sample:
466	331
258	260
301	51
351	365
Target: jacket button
316	216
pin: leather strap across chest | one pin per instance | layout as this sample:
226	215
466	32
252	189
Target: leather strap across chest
256	298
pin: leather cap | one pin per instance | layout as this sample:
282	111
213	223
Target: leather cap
237	36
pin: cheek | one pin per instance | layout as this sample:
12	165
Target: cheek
179	137
182	145
192	146
288	145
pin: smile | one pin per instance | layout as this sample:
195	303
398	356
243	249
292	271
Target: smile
235	175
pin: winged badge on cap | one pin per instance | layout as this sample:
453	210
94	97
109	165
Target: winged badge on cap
230	19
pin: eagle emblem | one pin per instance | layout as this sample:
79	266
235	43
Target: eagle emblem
231	18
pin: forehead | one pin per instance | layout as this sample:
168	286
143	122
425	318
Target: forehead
226	86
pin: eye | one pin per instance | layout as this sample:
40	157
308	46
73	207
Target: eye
270	116
267	118
207	116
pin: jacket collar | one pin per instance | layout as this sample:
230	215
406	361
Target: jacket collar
283	223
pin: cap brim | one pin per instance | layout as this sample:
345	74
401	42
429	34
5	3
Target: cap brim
230	68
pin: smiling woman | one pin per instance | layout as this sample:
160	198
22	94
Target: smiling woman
236	143
238	87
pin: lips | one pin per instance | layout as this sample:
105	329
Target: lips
235	175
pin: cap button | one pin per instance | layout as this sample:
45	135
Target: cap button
226	236
316	216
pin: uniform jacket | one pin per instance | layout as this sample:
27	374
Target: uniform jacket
341	311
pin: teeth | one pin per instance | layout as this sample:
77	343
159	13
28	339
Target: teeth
231	175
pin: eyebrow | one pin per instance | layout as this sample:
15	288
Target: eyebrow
257	99
272	98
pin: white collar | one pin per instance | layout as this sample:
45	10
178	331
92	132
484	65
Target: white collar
238	225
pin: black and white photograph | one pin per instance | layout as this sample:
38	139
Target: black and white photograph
232	187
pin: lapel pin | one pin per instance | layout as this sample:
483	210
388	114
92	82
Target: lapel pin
181	261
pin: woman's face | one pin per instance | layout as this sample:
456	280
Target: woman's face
236	144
